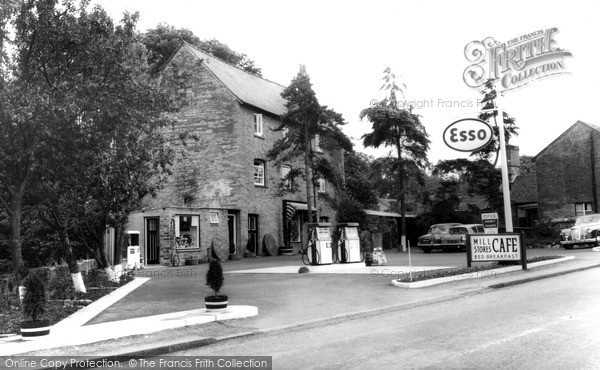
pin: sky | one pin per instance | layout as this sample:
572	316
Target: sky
345	46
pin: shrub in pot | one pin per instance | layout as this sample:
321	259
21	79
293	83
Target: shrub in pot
34	308
215	279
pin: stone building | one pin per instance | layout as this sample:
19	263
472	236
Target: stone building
224	196
567	174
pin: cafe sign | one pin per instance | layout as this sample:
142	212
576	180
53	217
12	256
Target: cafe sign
496	247
468	135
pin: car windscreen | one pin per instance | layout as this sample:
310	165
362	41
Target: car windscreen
458	230
588	220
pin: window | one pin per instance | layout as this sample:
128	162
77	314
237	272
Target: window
317	144
258	124
285	171
321	185
259	172
214	218
583	208
324	219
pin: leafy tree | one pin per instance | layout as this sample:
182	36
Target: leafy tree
306	121
214	276
400	129
527	165
359	184
510	128
164	40
481	177
82	126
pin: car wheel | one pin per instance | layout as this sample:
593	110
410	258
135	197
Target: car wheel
568	247
426	250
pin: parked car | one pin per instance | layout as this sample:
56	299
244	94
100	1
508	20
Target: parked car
585	232
433	239
457	237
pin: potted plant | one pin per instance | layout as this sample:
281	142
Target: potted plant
34	307
215	279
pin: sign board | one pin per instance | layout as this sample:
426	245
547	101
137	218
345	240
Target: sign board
490	222
468	135
496	247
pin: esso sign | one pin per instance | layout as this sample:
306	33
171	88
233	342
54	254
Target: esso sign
468	135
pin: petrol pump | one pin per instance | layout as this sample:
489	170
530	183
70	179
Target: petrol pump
319	244
133	250
349	243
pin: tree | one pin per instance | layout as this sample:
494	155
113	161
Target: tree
401	129
164	40
82	123
307	121
481	177
510	128
527	166
359	184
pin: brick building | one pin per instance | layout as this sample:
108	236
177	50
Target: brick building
567	174
224	196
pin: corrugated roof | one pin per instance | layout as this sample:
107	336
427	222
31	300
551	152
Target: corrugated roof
524	189
248	88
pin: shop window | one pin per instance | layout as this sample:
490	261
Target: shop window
187	231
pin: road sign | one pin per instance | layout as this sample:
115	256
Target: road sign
468	135
490	222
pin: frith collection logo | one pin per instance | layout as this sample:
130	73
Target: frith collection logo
514	63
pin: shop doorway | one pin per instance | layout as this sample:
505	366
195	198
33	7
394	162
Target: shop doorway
152	241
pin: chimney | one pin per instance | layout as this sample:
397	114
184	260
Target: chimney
513	162
303	69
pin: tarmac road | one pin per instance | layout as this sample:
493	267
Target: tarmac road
551	323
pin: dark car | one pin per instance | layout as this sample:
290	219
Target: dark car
433	239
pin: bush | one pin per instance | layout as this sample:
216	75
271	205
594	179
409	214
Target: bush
61	284
214	276
35	301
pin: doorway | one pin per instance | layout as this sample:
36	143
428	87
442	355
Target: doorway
253	233
231	223
152	240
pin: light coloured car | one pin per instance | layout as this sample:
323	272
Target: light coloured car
433	239
457	237
585	232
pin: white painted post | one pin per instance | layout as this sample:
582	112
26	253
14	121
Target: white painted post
503	162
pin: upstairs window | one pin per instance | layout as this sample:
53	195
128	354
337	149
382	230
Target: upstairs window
258	124
582	209
259	172
317	144
321	185
285	171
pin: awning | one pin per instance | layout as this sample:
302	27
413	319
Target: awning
297	206
388	214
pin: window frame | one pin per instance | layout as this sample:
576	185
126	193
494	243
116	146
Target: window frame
258	125
258	165
321	188
287	183
585	210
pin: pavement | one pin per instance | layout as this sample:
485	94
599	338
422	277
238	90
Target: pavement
161	311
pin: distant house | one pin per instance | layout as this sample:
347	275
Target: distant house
224	196
524	200
568	174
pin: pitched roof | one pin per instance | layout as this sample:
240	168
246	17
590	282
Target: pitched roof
524	189
593	127
248	88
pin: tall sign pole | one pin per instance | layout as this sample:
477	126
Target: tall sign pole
513	64
508	223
